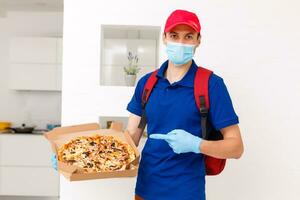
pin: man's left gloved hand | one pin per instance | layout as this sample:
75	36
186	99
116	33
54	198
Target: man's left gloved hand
180	141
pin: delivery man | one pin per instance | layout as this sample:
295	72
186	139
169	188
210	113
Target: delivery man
172	166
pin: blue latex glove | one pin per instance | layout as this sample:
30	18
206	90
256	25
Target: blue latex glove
180	141
54	161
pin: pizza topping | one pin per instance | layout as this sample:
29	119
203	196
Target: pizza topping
92	143
86	153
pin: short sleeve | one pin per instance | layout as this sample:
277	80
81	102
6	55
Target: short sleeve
222	113
135	104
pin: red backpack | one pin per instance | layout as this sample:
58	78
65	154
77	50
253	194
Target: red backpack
213	166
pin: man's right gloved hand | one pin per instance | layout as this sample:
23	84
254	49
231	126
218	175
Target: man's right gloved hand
54	161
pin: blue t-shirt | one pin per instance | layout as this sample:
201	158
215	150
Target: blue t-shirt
163	174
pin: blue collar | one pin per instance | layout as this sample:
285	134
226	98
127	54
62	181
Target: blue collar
187	80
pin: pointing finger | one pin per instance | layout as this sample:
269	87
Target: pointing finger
160	136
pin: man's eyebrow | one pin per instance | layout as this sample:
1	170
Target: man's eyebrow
173	32
176	33
190	33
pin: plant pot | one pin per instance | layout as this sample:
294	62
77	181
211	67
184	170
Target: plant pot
130	79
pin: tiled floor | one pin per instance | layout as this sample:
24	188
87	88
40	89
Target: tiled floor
27	198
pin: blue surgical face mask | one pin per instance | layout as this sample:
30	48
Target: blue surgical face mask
180	53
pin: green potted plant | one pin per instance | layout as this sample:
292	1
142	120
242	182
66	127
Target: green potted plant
131	69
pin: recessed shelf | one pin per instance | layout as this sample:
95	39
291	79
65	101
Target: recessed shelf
117	41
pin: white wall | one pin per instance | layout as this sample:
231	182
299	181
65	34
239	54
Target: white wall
44	107
253	45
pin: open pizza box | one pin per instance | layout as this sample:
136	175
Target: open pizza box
61	135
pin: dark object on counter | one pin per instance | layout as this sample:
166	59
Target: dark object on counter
23	129
108	124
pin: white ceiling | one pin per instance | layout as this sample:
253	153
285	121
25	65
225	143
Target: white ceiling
31	5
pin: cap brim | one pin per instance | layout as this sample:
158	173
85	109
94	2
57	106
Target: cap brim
178	23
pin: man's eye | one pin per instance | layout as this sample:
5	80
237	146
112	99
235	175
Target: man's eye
189	37
173	36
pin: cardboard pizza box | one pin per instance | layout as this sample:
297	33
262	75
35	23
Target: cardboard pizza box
60	135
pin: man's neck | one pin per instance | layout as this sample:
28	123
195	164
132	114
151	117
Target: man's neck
176	73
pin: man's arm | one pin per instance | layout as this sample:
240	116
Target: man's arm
230	147
132	127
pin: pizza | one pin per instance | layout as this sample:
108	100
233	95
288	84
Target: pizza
96	153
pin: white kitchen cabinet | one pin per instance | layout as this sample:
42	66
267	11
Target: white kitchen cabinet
25	166
35	63
59	52
24	150
33	50
59	77
29	181
35	77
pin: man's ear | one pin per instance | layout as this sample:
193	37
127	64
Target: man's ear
164	38
198	41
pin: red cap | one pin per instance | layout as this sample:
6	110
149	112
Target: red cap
182	17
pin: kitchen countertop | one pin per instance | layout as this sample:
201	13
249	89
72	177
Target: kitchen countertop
35	132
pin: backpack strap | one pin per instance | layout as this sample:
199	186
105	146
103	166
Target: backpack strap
201	96
145	96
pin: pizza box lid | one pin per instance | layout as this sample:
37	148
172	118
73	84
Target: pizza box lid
60	135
